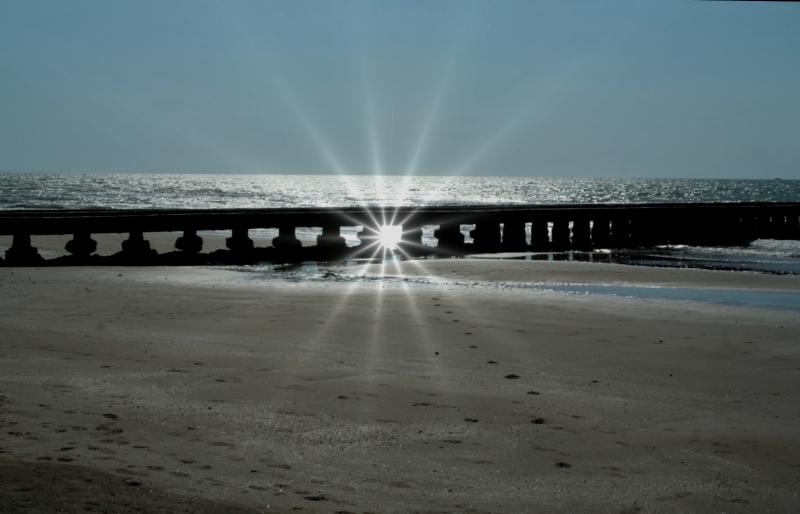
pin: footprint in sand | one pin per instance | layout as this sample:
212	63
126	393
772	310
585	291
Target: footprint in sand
260	488
102	450
109	429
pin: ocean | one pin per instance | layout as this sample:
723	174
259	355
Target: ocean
118	190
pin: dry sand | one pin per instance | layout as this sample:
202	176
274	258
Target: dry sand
214	390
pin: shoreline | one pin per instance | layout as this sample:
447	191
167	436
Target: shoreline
379	396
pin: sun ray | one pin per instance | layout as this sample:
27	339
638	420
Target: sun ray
341	304
532	108
372	129
443	84
264	66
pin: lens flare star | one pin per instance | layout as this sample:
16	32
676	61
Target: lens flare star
389	236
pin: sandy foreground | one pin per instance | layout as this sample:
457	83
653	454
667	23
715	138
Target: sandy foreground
219	390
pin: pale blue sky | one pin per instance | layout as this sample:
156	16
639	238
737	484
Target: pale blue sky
650	88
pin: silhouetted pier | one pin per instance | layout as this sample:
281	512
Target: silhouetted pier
539	228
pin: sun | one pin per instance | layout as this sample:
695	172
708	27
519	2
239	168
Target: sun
389	236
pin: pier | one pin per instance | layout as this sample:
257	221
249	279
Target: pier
491	229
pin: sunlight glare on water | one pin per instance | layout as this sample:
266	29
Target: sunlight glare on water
117	191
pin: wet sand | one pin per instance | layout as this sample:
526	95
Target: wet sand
236	390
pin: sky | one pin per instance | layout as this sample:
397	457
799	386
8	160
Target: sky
615	88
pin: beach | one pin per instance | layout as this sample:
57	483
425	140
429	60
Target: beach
456	385
431	257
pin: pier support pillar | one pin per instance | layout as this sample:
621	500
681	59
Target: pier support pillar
22	253
620	231
601	233
286	240
514	236
695	232
778	226
450	239
763	226
670	226
370	239
189	242
411	236
792	226
239	242
486	237
643	230
560	234
411	242
330	244
581	234
370	245
540	239
136	247
331	237
749	226
81	245
725	228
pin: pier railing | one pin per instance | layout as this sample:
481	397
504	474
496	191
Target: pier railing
538	228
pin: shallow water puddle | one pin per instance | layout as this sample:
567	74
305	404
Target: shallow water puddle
725	296
736	297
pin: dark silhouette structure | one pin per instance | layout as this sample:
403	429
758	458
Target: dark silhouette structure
496	228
